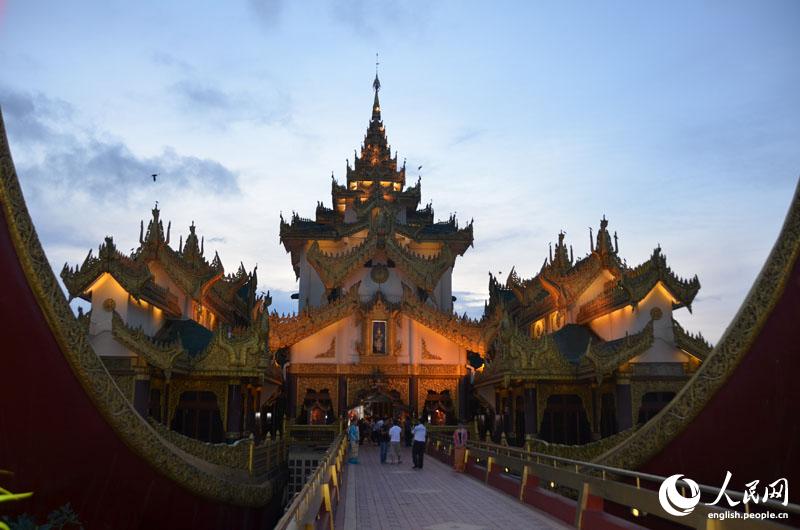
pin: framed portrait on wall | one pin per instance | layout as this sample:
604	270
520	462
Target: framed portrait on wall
379	337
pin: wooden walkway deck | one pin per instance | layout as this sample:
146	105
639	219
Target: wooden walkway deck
435	498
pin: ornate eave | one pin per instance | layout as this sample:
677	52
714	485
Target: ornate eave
637	283
166	356
225	297
472	335
285	331
131	274
424	271
608	356
241	353
518	356
695	345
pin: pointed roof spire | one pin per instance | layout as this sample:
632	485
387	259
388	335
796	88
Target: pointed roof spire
376	84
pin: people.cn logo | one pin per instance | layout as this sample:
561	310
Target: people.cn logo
673	502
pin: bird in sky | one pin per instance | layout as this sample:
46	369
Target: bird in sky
154	175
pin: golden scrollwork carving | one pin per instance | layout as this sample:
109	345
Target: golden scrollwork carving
437	385
696	345
472	335
287	330
318	384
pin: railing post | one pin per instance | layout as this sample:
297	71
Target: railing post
523	482
489	463
580	507
326	497
250	457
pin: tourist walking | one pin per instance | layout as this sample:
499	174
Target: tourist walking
394	443
460	447
418	450
355	438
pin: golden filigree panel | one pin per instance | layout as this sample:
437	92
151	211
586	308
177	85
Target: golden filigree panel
318	383
437	385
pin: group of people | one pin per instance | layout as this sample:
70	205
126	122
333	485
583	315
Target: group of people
387	433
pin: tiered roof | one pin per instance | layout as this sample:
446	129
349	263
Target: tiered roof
231	297
375	192
562	280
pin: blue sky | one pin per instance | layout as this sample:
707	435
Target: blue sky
679	121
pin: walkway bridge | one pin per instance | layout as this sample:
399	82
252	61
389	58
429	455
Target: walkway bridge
503	487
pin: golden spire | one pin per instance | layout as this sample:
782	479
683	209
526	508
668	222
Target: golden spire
376	84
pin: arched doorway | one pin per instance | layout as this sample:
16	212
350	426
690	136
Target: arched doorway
198	416
652	403
378	403
565	421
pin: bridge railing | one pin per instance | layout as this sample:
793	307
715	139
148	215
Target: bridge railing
267	457
316	504
313	433
521	473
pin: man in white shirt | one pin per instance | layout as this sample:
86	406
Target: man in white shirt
394	442
418	449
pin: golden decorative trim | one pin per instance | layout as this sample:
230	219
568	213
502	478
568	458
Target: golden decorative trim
430	370
438	386
318	383
735	343
88	369
472	335
285	331
695	345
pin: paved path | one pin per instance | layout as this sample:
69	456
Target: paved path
435	498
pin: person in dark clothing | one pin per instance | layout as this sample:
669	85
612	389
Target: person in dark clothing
418	450
407	431
383	437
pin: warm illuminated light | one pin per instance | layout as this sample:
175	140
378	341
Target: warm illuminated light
506	469
635	512
552	484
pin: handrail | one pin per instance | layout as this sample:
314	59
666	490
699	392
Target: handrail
315	495
571	472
